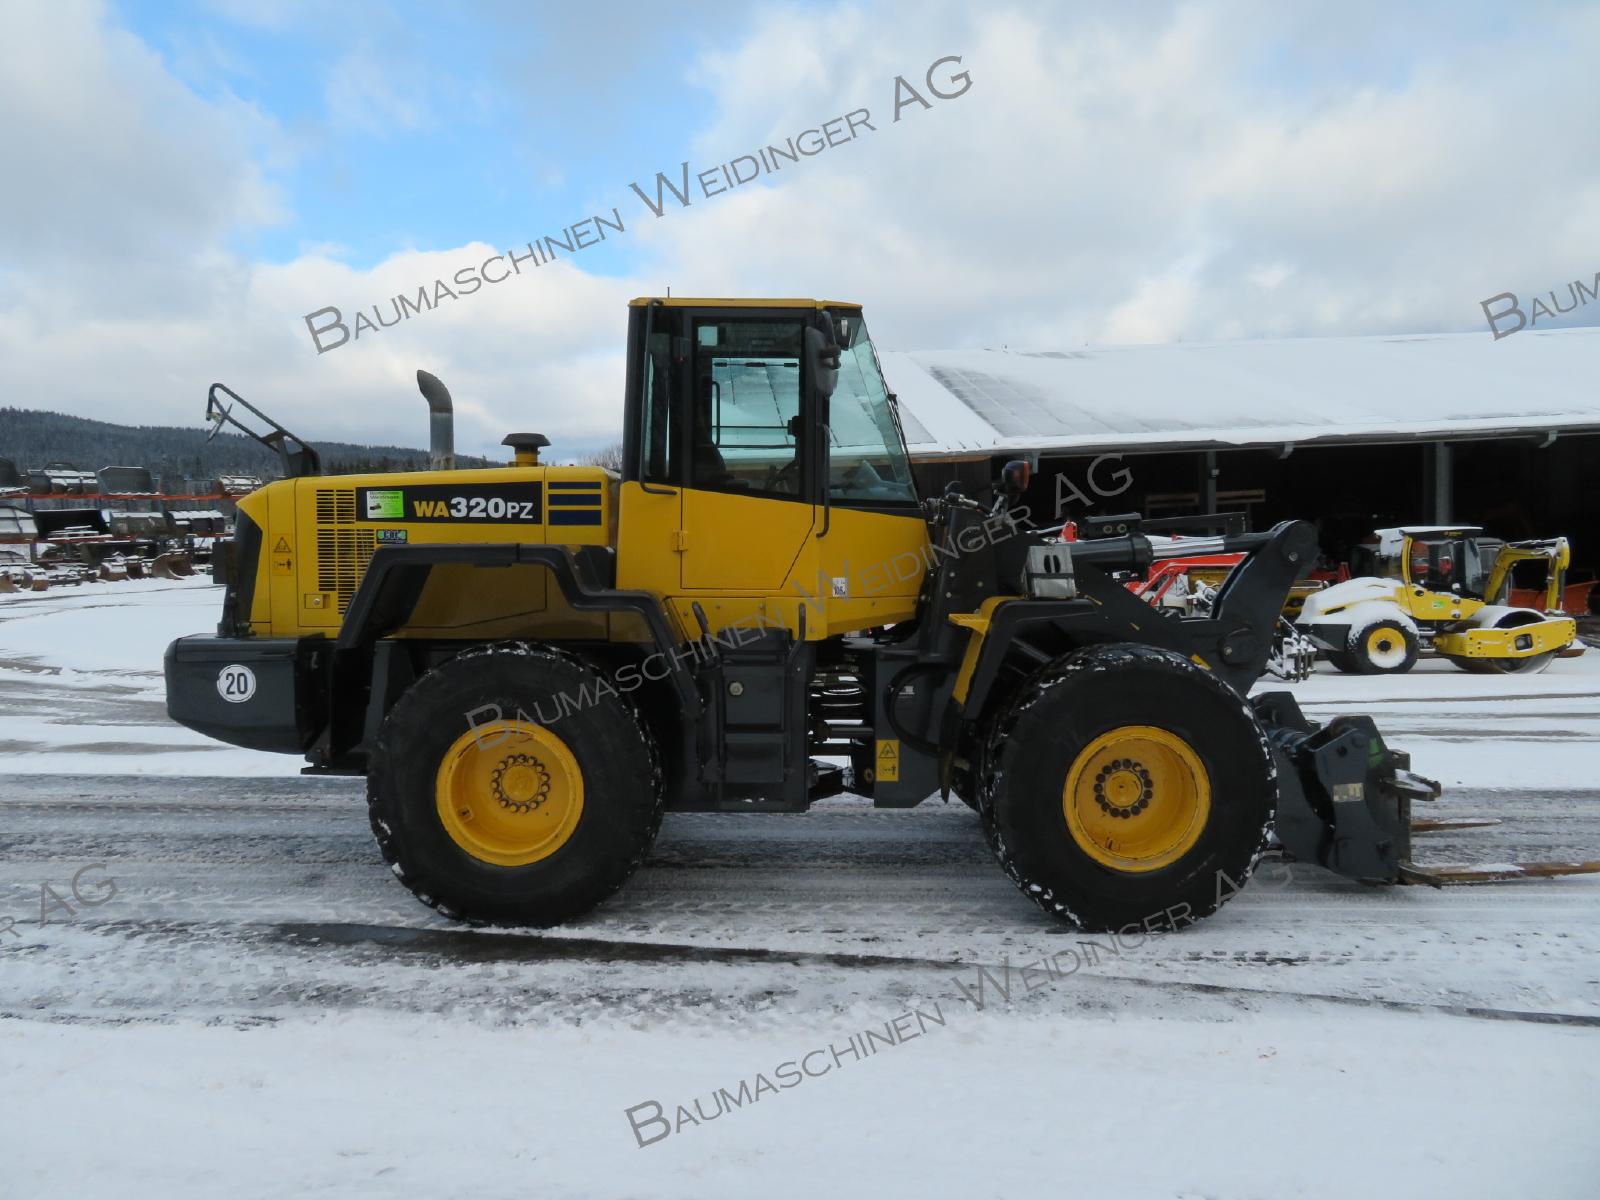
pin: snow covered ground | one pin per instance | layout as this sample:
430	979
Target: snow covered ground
80	669
239	999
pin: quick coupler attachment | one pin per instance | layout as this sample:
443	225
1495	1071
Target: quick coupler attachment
1344	803
1344	798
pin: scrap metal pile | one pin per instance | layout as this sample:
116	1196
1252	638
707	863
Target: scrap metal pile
60	525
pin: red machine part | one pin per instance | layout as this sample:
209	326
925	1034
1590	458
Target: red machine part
1167	571
1575	598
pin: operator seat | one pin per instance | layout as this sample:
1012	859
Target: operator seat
707	467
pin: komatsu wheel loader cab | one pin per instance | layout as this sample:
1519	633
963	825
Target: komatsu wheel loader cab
530	663
1429	587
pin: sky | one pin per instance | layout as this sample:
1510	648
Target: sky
186	182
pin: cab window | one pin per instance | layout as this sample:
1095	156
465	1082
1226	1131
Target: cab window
747	428
658	456
867	461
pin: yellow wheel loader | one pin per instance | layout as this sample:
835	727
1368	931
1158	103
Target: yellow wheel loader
1429	588
531	663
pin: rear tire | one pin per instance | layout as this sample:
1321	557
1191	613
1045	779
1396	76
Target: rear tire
1125	785
509	786
1383	648
1343	663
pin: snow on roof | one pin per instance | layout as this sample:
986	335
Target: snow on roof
1255	393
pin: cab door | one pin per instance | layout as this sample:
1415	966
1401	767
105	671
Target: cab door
748	509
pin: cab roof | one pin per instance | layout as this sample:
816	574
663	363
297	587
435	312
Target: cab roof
737	302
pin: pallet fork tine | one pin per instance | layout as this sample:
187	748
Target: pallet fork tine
1464	873
1449	824
1345	804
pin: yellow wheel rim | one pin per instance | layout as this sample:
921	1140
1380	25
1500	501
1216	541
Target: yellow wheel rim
1137	798
509	793
1386	647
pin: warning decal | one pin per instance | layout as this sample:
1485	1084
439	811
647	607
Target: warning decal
889	760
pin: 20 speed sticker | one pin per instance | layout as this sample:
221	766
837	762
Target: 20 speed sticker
471	503
236	683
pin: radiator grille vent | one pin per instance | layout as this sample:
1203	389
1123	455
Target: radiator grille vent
336	507
342	558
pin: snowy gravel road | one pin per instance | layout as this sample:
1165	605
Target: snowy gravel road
280	878
248	1004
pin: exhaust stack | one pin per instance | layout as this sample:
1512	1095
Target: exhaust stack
441	423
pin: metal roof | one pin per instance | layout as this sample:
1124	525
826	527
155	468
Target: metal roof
738	302
1230	395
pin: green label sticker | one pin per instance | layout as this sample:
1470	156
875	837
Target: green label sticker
476	504
385	503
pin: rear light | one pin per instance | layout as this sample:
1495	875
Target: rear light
234	563
222	564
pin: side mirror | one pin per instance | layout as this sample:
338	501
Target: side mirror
217	416
1015	476
822	359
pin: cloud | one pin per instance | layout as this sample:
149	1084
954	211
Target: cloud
117	176
1113	175
366	95
1112	179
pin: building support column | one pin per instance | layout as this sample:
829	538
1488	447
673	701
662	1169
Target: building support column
1441	503
1208	482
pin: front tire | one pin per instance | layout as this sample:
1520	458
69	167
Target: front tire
512	785
1383	648
1125	785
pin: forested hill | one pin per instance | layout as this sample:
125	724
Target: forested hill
31	438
